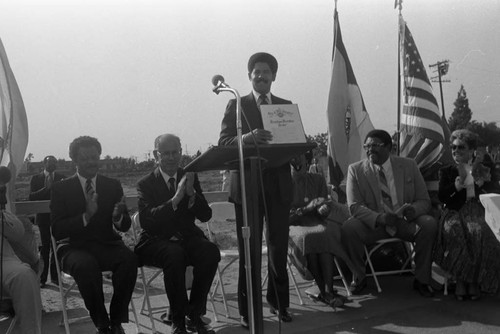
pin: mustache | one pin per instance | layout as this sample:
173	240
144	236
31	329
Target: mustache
261	80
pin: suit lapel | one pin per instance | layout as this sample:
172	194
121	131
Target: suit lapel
398	172
371	176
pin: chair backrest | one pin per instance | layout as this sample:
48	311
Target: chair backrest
135	227
221	211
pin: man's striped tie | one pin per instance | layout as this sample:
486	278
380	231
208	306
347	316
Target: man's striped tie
88	187
386	198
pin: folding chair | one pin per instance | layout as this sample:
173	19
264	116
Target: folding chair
65	278
9	316
406	268
146	307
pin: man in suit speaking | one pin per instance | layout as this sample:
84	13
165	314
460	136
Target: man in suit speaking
262	68
387	197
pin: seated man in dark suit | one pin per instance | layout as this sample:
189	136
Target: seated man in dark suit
85	211
387	197
40	186
170	200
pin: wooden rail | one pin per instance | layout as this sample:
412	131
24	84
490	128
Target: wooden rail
31	207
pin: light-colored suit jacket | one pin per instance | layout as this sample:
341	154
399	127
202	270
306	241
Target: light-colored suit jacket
363	191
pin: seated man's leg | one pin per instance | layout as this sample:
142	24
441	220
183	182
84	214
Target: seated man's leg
424	244
86	271
204	256
123	263
171	257
355	235
21	284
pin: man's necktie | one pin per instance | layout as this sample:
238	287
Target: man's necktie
386	198
262	99
171	185
88	187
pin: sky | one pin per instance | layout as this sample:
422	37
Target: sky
126	71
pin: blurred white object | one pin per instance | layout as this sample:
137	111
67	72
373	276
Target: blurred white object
491	203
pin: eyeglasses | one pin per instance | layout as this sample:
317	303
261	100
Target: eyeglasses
169	153
373	145
457	147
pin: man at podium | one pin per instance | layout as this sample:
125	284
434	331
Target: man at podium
277	184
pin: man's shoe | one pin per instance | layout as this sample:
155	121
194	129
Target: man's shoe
244	322
197	325
55	282
43	285
425	290
357	287
179	328
103	330
117	329
166	318
284	315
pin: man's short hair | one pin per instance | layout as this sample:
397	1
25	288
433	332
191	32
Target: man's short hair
263	57
383	135
49	157
172	136
83	141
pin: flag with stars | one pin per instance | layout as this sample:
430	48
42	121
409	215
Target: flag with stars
348	121
423	131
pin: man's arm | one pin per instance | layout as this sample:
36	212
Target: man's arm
228	133
65	223
200	208
38	191
358	206
421	202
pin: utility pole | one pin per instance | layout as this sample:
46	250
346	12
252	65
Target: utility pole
442	70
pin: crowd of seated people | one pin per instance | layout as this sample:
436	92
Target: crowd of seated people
386	197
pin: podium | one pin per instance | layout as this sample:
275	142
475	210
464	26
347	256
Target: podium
266	156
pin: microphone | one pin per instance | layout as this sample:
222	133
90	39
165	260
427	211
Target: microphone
4	179
218	82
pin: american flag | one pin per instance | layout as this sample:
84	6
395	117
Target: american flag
423	131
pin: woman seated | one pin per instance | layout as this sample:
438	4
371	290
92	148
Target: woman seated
315	230
466	246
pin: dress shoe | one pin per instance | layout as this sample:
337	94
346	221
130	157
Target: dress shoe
43	285
117	329
473	291
196	325
55	282
460	290
357	286
244	322
166	318
284	315
179	328
103	330
425	290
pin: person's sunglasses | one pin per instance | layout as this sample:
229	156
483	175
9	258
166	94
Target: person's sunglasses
457	147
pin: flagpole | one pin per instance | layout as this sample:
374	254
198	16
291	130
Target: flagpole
398	131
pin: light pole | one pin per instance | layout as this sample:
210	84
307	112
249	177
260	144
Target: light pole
442	69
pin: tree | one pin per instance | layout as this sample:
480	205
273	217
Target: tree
461	115
489	133
321	139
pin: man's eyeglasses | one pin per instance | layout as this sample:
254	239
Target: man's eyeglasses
457	147
373	145
168	153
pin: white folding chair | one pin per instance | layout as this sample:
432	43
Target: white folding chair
146	307
222	211
407	267
67	279
13	321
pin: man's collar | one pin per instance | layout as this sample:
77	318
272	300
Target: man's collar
256	95
166	176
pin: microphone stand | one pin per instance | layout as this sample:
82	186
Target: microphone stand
245	230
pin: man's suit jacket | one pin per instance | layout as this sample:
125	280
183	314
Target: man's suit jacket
157	216
363	191
38	192
277	181
68	204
